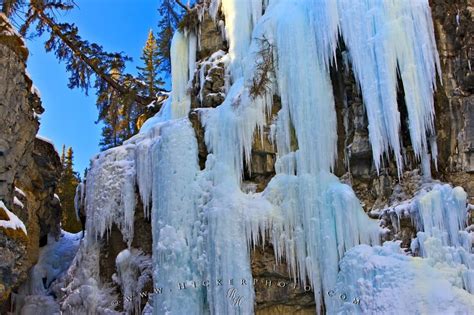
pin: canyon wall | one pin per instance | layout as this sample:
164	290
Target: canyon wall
29	167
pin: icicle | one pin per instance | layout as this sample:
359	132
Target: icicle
192	50
182	63
79	199
320	219
110	192
240	18
381	37
307	103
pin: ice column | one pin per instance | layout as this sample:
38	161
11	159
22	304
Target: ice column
241	16
175	221
183	58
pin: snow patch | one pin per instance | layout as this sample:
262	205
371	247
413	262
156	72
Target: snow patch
13	221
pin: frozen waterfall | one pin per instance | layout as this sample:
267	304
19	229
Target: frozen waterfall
204	225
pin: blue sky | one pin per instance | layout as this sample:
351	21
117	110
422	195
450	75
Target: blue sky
118	25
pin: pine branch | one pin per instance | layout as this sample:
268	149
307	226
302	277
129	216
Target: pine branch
92	64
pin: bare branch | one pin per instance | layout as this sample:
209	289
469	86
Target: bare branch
185	7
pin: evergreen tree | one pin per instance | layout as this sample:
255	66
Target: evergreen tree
66	192
167	25
149	73
87	63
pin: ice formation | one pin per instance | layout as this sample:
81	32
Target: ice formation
133	272
241	16
440	217
183	60
386	38
204	225
384	280
175	220
110	192
80	290
54	260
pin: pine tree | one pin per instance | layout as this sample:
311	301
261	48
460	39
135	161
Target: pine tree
170	17
66	192
149	73
87	63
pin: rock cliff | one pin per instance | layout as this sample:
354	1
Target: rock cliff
29	166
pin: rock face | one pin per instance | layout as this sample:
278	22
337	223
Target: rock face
29	167
455	100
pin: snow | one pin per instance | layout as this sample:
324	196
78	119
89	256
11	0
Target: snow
163	115
48	141
13	221
17	202
45	139
9	30
35	90
20	192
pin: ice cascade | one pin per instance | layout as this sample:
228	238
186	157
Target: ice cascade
204	224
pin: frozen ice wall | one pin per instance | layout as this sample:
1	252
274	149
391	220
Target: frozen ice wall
177	243
204	224
308	205
134	269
